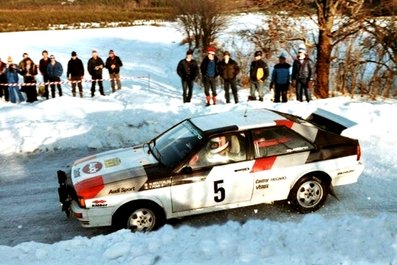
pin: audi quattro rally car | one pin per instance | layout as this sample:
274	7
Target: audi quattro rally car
210	163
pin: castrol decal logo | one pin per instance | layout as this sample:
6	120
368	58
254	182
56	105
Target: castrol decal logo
92	167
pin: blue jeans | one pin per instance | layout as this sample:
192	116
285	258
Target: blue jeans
187	90
302	88
15	94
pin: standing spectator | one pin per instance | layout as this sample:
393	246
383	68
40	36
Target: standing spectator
25	56
281	79
113	64
3	81
75	73
95	66
55	71
187	70
209	73
259	71
29	73
44	62
302	74
228	70
12	79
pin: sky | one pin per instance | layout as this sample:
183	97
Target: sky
359	228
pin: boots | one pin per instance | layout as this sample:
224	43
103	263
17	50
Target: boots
214	100
208	98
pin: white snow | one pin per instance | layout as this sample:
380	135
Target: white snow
360	228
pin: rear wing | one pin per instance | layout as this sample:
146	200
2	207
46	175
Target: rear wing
330	121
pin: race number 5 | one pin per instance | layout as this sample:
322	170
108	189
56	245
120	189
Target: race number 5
219	191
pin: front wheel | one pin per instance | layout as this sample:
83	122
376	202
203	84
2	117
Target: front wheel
141	218
308	194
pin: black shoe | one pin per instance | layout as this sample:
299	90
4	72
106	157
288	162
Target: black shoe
260	99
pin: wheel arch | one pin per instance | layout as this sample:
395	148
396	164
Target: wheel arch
320	175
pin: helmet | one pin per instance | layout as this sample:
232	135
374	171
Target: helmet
218	144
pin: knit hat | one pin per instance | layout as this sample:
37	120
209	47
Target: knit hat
211	50
226	53
74	53
282	56
190	51
302	48
258	53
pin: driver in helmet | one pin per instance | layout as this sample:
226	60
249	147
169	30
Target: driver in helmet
218	150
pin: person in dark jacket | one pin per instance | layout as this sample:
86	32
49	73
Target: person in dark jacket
209	71
95	66
228	71
281	79
75	73
43	70
55	71
187	70
3	81
12	80
259	71
302	74
29	72
113	64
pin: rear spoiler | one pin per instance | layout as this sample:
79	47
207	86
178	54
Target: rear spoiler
330	121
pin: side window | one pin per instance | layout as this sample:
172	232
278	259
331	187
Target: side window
277	141
221	149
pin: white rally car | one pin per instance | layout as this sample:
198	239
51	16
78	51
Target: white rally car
210	163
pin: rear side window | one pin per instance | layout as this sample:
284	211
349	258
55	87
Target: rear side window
278	141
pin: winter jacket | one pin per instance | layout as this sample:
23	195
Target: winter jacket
113	61
94	67
281	74
204	67
228	71
302	69
55	70
75	68
187	71
3	68
256	67
29	74
12	73
43	66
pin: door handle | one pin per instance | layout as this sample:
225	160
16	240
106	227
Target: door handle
241	169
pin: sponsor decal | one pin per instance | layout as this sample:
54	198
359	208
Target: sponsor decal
113	162
345	172
278	178
121	190
261	184
157	184
92	167
99	201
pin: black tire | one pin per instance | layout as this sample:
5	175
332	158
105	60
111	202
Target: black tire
309	194
140	217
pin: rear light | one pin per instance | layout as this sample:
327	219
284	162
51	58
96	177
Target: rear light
358	152
81	202
78	215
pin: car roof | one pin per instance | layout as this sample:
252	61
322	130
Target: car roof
236	120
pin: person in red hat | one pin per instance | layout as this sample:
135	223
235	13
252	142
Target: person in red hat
209	72
187	70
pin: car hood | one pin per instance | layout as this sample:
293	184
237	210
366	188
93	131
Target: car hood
113	172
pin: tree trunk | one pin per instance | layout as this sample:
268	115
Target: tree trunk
324	49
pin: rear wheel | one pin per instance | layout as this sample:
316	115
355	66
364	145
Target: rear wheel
309	194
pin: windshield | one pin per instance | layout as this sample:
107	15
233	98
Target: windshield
174	145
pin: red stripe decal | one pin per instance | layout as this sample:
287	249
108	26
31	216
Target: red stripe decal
90	187
286	123
265	163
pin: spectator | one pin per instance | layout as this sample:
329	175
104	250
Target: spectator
25	56
281	79
12	80
75	73
3	81
187	70
29	73
95	66
209	73
113	64
44	62
302	74
55	71
259	71
228	70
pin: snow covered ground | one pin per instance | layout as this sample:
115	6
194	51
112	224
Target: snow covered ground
360	228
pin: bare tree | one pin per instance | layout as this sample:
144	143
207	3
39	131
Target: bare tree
200	20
